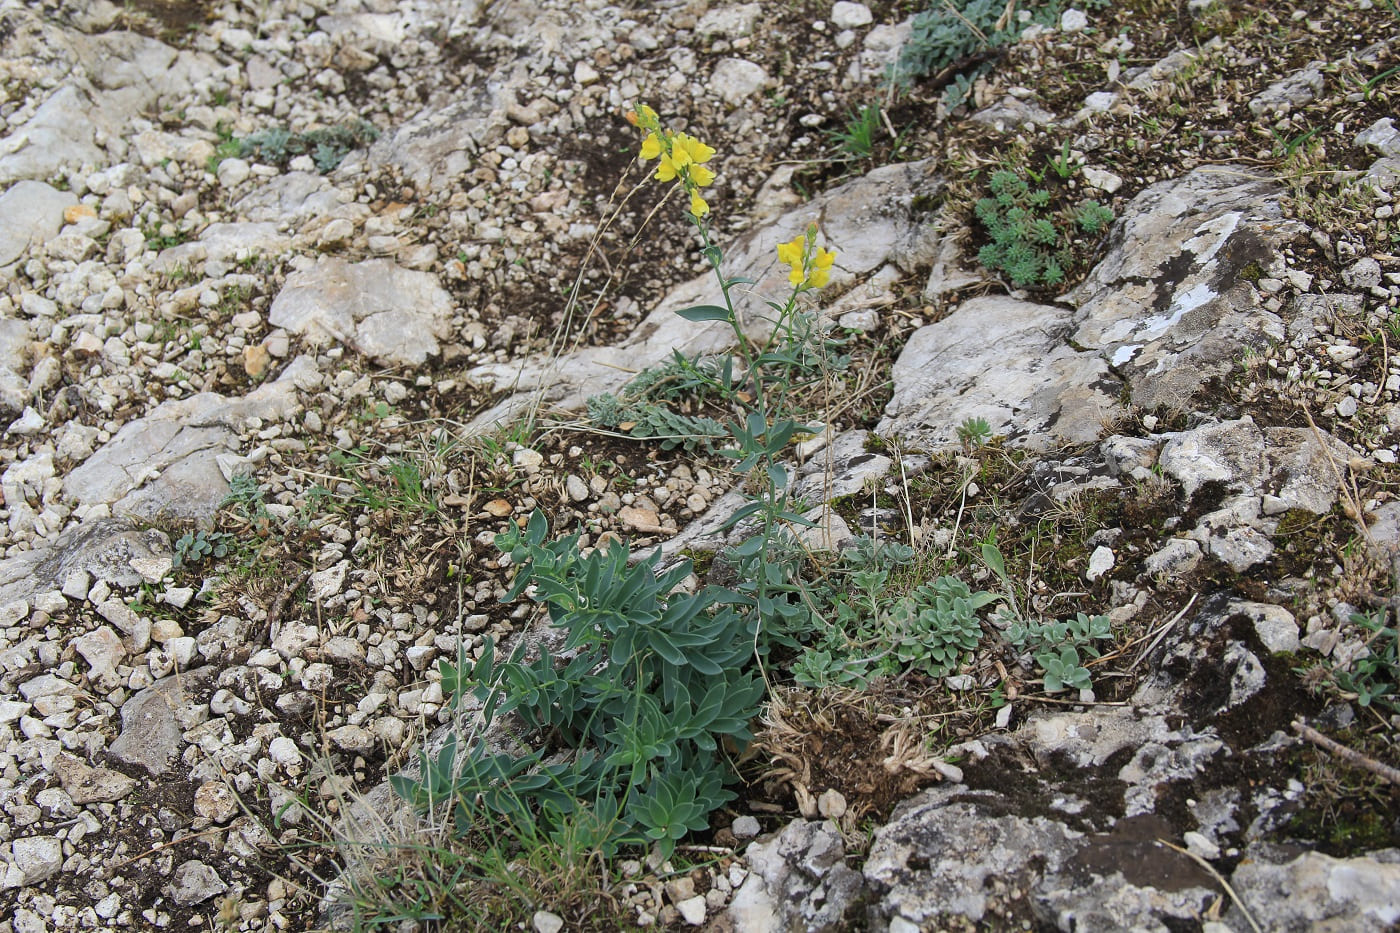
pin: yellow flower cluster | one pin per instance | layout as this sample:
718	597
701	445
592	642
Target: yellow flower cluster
682	156
811	264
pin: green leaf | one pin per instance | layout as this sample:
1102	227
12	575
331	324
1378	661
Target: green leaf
705	313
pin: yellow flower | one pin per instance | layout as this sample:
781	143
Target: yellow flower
821	267
680	156
811	264
791	253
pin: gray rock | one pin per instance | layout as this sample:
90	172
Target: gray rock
940	857
732	22
108	79
436	147
798	880
86	785
221	242
298	196
391	314
1293	893
1168	305
1382	136
151	735
166	463
194	882
734	80
1230	452
1177	556
1011	114
1028	384
847	15
102	648
31	213
38	857
1282	97
101	550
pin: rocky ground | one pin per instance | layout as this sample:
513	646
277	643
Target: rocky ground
301	305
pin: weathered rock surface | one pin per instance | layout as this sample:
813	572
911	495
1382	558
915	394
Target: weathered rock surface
1170	305
388	313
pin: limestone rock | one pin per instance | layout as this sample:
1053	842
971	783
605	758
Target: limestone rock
85	784
194	882
1293	892
31	212
1027	383
151	735
798	879
391	314
166	463
1169	306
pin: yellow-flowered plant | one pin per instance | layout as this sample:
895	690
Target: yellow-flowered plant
764	387
811	264
682	156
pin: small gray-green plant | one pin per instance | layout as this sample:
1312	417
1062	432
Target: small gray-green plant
1057	646
974	433
327	146
1031	243
861	625
632	725
1375	678
194	547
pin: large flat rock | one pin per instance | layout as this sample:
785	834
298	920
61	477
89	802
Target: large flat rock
1007	361
1174	302
391	314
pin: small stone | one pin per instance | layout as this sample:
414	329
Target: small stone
846	15
284	752
1346	407
256	360
75	585
527	460
353	739
645	521
1100	562
576	488
1073	21
498	508
744	827
831	804
420	657
103	650
1102	179
692	910
38	857
546	922
85	784
584	73
151	569
214	800
337	232
233	172
1199	845
194	883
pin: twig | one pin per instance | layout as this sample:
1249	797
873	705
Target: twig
274	615
1348	755
173	842
1162	632
1220	879
1385	366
